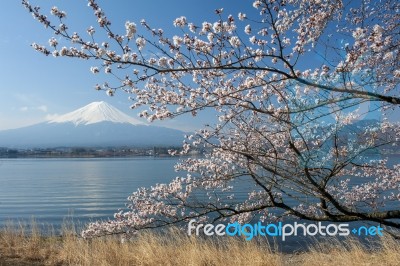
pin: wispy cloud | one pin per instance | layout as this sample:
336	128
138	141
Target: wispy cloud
42	108
51	116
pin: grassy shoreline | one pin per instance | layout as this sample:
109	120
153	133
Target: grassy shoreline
22	246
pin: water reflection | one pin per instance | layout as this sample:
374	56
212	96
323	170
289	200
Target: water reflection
51	189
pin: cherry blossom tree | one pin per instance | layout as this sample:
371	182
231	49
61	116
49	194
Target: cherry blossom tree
290	133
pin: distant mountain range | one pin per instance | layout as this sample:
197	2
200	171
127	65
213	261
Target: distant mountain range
96	124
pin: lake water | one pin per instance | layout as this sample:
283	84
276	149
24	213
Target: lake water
52	190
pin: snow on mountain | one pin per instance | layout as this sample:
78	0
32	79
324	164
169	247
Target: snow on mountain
94	125
96	112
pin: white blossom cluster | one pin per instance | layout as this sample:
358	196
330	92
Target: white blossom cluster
130	29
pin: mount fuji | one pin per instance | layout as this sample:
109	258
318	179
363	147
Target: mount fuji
97	124
95	112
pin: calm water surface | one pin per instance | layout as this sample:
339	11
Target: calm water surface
84	189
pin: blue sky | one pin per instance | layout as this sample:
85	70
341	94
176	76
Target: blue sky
34	87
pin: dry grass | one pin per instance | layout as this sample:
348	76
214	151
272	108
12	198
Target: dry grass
17	247
352	252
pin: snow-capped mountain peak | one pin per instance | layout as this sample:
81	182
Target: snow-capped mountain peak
95	112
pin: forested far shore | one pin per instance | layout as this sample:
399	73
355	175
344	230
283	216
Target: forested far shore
90	152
